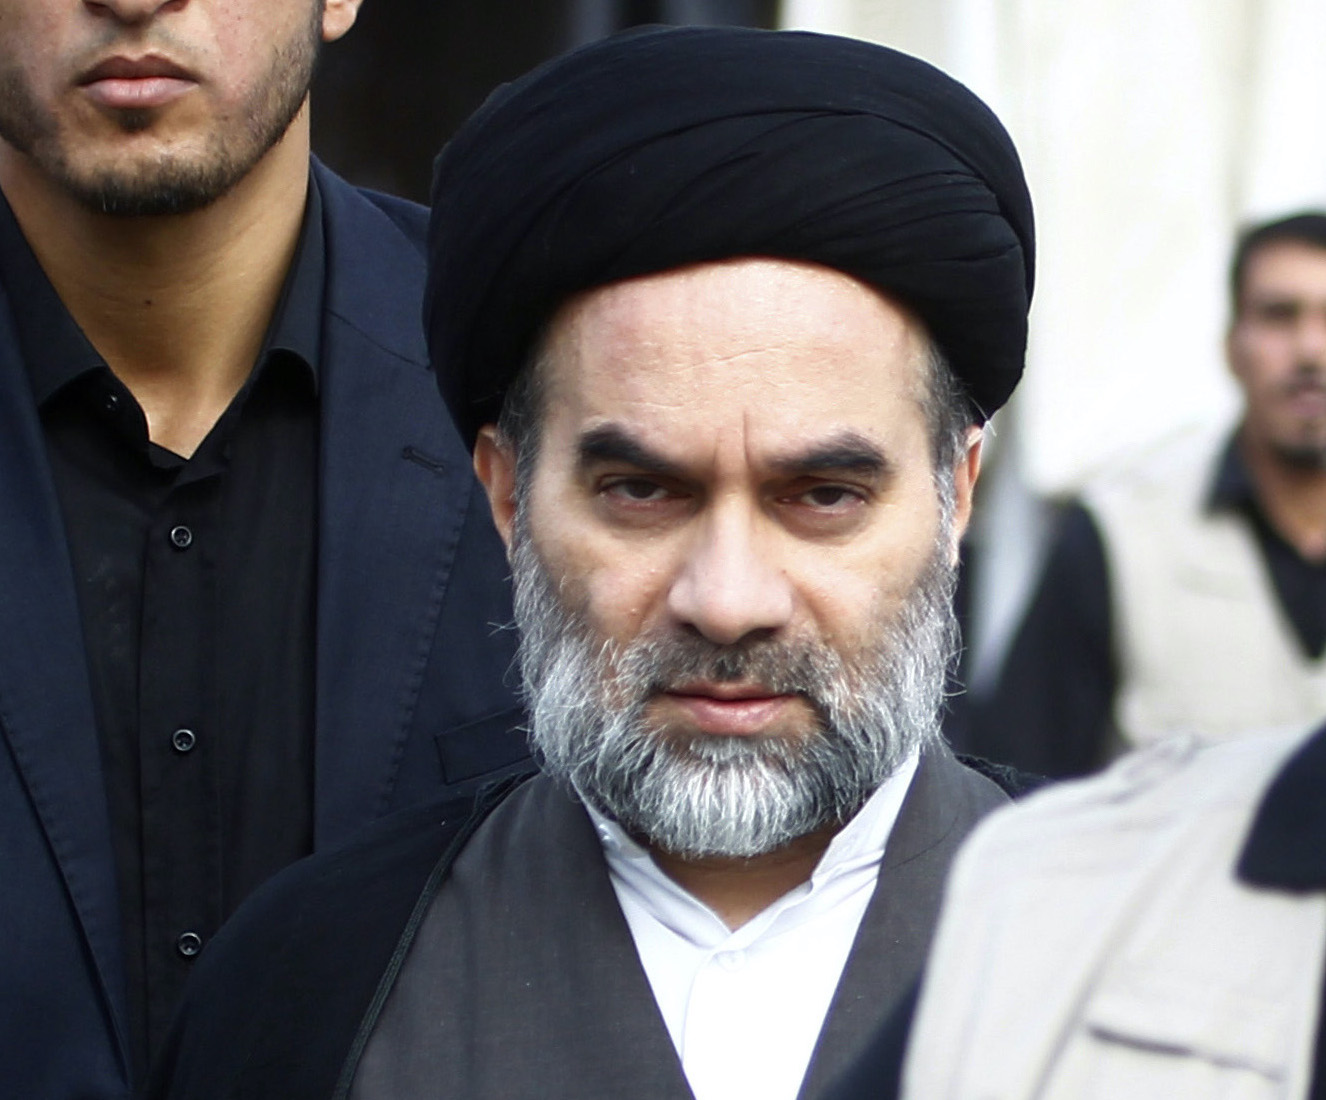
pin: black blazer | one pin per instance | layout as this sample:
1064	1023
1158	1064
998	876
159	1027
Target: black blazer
414	697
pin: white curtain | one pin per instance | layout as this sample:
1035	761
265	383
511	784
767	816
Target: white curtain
1150	129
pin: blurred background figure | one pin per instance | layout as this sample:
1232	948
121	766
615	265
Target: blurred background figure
1186	590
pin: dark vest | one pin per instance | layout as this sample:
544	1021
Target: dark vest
522	979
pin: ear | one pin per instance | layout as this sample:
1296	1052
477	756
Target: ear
338	16
1233	360
965	472
495	467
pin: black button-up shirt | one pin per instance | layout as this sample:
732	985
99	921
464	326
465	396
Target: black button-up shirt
195	580
1299	583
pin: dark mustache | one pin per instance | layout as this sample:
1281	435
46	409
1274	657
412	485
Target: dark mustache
1306	379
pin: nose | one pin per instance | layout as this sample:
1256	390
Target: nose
728	587
131	11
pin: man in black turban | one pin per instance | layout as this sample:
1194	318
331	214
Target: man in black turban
720	314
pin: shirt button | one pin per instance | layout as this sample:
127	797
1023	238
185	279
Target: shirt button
183	740
111	402
731	960
189	944
181	537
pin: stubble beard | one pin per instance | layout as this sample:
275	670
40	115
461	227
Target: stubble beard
178	181
1303	456
1301	447
1296	443
701	795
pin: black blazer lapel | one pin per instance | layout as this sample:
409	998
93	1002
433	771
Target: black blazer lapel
394	486
944	803
46	712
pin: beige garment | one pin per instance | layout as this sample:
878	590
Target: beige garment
1202	643
1095	943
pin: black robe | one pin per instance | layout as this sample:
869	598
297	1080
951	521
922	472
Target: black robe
288	996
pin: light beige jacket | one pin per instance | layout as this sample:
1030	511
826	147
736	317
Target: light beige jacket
1202	643
1095	943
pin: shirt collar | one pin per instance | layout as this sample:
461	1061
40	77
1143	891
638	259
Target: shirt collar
1232	487
861	840
296	326
1286	847
55	351
53	347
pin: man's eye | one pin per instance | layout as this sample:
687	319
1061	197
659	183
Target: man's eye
1279	313
830	496
636	491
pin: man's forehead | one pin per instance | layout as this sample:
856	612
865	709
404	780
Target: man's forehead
767	325
751	283
766	367
1286	267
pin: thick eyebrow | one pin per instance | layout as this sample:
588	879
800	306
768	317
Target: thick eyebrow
846	452
611	443
1282	304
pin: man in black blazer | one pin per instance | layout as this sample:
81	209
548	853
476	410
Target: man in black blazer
249	592
720	313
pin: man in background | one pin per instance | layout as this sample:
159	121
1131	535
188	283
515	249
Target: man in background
246	583
1187	591
720	313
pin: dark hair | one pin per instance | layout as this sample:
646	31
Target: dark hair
520	420
1307	227
948	409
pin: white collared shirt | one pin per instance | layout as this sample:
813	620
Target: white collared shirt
745	1007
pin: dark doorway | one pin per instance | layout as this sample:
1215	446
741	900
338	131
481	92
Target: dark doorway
389	94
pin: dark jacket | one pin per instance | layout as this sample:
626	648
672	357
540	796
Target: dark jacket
283	1006
413	697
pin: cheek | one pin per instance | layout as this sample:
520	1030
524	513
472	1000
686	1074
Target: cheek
618	585
847	589
1262	356
38	50
242	47
845	601
621	594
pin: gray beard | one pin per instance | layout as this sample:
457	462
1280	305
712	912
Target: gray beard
703	795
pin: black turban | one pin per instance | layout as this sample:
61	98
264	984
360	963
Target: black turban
667	147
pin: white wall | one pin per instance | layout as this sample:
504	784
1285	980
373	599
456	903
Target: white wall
1149	129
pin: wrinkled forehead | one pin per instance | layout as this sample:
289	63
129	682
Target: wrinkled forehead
758	348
